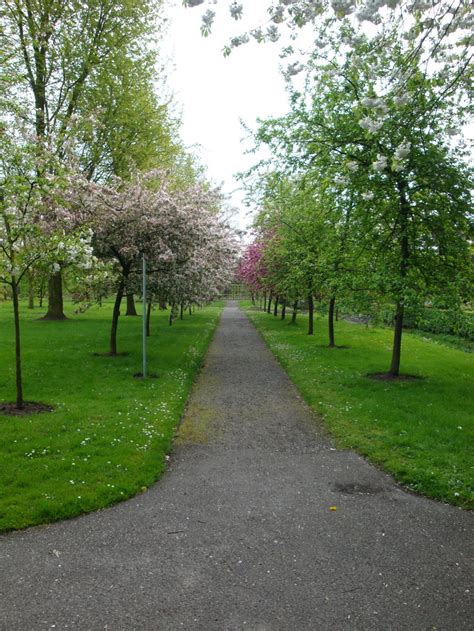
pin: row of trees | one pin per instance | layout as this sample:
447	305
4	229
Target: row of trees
93	175
367	197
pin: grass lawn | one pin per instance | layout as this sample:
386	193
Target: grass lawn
109	433
421	431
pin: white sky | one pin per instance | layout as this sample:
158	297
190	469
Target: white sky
215	93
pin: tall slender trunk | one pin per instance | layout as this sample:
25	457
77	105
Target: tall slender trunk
181	311
283	311
332	302
115	318
55	298
253	298
269	305
397	340
148	318
131	309
172	314
404	211
190	310
295	312
31	291
275	310
310	314
19	381
264	300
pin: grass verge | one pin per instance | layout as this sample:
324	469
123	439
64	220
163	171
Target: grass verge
421	431
109	433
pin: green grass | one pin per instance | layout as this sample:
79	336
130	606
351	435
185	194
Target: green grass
109	433
420	431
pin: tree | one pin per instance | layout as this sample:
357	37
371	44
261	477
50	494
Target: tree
25	242
55	47
387	151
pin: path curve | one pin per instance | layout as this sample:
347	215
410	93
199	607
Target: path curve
239	533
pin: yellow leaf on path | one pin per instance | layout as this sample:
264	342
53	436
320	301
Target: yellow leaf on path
333	508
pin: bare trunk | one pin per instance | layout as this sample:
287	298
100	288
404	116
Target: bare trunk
148	318
264	300
275	310
55	298
404	211
19	381
397	341
283	312
310	314
181	312
269	305
131	309
295	312
332	302
115	318
31	292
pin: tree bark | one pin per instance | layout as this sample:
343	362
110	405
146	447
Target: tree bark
181	312
31	292
275	309
148	318
131	309
18	376
172	314
310	314
295	312
264	300
269	304
404	211
283	312
115	318
55	298
190	310
397	340
332	302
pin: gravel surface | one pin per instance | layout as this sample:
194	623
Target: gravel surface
258	524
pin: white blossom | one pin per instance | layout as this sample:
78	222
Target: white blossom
368	196
341	179
381	163
403	150
370	124
236	10
352	166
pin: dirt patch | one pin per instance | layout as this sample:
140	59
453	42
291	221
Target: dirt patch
385	376
29	407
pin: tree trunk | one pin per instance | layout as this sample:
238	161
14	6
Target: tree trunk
264	300
131	309
253	298
337	314
148	318
404	211
275	310
55	298
181	312
295	312
283	312
31	292
115	318
397	340
331	321
269	305
190	310
19	381
172	314
310	314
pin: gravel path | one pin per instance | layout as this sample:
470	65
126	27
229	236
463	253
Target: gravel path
239	534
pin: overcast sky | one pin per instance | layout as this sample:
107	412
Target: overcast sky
215	93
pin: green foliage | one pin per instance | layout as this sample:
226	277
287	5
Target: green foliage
432	320
421	431
109	433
